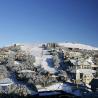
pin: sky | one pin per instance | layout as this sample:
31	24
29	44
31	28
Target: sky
30	21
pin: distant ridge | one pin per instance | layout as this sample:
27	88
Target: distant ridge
78	45
29	46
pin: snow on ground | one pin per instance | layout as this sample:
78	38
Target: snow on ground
47	63
45	60
16	82
32	48
37	61
57	87
61	87
41	57
35	50
76	45
16	63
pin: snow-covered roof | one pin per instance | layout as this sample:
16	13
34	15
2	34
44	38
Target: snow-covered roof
24	71
86	63
73	61
90	60
86	71
6	82
16	63
93	65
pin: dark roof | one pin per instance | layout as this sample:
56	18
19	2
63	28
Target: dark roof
94	83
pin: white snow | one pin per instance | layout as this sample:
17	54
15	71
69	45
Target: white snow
24	71
38	60
35	50
60	87
32	48
77	45
90	60
57	87
89	86
16	63
42	57
86	71
6	82
47	64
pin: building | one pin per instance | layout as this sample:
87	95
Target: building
83	71
86	75
6	85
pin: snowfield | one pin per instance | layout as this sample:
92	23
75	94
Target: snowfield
76	45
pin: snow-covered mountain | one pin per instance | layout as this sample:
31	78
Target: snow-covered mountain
77	45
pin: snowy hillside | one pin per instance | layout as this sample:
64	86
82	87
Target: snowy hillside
40	56
44	66
77	45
